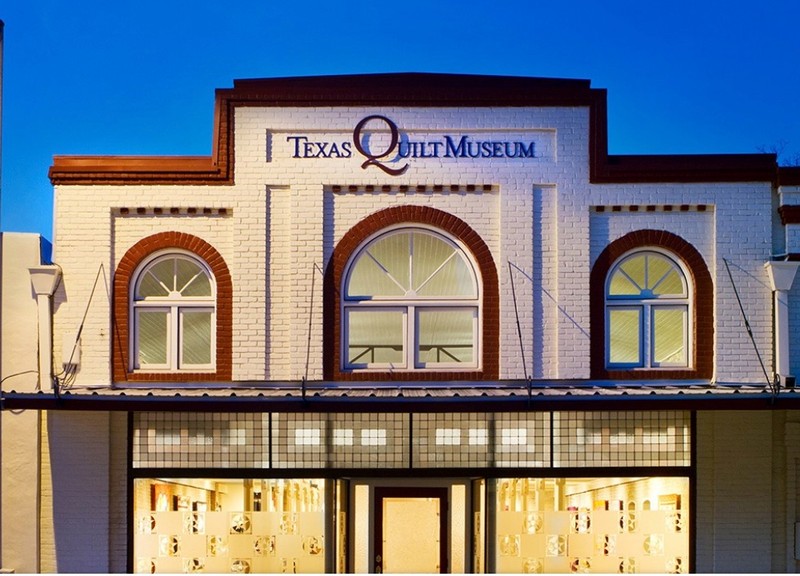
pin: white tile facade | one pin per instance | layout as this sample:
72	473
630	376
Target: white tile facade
539	219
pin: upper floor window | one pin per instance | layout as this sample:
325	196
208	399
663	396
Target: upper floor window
648	306
651	309
173	310
411	301
411	293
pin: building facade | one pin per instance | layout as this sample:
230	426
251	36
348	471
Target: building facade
408	322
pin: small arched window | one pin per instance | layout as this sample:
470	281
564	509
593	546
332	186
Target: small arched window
411	301
173	307
648	304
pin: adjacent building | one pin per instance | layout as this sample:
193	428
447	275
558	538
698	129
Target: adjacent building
406	323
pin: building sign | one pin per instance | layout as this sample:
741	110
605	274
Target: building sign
382	145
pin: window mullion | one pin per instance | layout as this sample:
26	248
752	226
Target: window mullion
173	338
412	338
648	337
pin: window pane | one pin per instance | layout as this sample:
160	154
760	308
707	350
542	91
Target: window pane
669	335
156	282
663	276
593	525
196	337
375	337
368	279
446	336
455	278
164	272
152	332
439	269
621	285
671	284
634	267
624	336
392	253
191	279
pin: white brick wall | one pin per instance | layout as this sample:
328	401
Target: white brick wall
80	493
283	221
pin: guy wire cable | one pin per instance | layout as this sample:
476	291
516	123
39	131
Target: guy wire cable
770	384
519	329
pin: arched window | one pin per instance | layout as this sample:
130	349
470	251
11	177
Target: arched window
411	293
411	301
652	310
648	306
173	307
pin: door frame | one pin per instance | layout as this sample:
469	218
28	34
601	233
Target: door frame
441	493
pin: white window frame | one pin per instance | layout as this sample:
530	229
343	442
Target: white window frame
647	308
175	307
411	307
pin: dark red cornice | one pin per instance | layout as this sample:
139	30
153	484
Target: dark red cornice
417	90
686	168
789	176
790	214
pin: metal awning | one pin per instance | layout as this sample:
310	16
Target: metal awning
495	396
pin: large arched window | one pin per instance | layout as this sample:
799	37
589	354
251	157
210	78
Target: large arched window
411	293
173	308
411	302
648	306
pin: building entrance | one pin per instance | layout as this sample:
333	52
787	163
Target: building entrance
411	530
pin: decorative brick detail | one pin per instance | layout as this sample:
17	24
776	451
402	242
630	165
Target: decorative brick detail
490	339
702	322
122	322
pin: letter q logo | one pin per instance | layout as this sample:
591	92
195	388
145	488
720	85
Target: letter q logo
376	158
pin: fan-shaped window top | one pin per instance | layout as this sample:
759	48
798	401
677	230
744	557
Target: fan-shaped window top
647	312
411	302
174	314
414	264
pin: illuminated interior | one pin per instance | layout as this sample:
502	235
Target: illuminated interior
229	525
606	525
537	525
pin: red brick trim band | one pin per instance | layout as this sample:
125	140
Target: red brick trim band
702	360
122	322
490	338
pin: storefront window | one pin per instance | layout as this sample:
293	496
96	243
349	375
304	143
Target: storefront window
229	525
606	525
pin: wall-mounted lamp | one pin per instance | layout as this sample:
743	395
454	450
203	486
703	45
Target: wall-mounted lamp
44	280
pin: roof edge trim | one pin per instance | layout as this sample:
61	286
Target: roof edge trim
415	90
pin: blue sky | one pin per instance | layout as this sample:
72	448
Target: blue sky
91	77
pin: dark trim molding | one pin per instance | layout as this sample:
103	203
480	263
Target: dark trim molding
416	90
787	400
790	214
789	176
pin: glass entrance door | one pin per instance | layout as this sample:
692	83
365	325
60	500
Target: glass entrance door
410	530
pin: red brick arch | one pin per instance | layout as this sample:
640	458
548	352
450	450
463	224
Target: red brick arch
122	322
702	361
490	337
